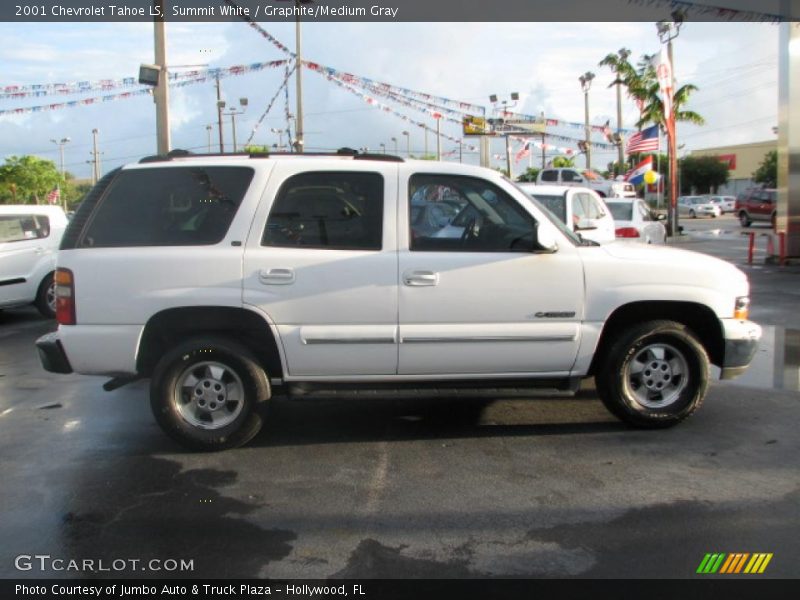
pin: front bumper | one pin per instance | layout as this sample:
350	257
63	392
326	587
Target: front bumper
52	355
741	343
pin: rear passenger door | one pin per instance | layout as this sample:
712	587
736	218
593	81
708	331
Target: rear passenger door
22	245
321	263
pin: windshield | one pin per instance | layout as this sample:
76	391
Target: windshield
621	211
575	239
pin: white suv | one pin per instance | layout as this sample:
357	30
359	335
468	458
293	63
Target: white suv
29	238
226	278
572	176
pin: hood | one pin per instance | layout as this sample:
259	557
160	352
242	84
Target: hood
670	264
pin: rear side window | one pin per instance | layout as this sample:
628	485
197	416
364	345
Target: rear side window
174	206
549	175
328	211
18	228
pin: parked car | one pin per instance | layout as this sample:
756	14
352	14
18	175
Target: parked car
29	238
226	279
634	221
580	209
697	206
586	178
757	204
727	204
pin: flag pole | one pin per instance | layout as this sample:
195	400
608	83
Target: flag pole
658	170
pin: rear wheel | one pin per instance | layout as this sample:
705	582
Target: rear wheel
46	297
209	394
654	375
744	220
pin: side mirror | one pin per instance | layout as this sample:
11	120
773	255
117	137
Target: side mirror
661	217
545	241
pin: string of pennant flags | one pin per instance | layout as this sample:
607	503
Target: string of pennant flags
708	10
386	108
189	78
269	106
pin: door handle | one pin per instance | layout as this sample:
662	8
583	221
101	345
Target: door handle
420	278
276	276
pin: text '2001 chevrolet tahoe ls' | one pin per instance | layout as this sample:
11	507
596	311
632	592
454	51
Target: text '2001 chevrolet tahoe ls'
223	277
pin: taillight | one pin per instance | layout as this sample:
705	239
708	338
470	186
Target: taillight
627	232
65	297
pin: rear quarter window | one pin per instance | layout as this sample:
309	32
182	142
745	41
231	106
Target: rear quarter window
173	206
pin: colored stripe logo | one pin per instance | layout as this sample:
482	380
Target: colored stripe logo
734	563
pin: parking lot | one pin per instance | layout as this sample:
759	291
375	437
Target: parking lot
478	486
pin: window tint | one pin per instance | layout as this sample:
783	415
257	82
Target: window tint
621	211
334	211
549	175
555	204
570	176
488	219
172	206
18	228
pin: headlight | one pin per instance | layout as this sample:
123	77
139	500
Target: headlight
741	309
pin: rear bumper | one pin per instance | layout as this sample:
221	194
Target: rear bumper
52	355
741	343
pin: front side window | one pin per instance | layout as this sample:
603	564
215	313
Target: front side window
169	206
549	175
570	176
18	228
486	219
327	210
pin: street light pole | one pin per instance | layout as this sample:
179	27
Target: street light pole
394	139
586	85
220	106
408	143
96	156
623	53
298	131
233	114
61	143
208	131
280	137
668	31
439	138
161	91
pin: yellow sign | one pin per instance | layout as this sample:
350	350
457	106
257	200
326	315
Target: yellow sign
476	126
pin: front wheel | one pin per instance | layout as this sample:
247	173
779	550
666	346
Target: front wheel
744	220
654	375
207	394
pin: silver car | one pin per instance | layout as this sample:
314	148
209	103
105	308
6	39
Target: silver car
697	206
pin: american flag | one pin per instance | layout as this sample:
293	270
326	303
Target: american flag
646	140
54	196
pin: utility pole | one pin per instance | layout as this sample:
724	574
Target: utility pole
426	141
460	151
161	92
668	31
544	128
298	131
96	156
208	131
61	143
508	156
220	106
586	84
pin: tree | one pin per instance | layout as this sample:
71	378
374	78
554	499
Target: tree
27	178
642	85
767	172
563	161
256	149
702	173
530	174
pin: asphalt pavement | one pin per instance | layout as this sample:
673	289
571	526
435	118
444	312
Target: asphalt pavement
425	487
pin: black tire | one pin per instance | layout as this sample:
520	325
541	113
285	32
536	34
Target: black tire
744	220
692	215
621	389
44	294
241	419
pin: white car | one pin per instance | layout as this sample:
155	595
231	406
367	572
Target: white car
697	206
29	238
587	178
580	209
635	221
225	279
727	204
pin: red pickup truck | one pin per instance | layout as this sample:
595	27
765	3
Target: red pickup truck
757	204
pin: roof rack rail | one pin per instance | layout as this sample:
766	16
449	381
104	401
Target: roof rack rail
355	154
179	153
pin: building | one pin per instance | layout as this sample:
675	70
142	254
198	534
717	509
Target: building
742	161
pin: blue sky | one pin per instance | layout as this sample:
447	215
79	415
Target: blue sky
734	64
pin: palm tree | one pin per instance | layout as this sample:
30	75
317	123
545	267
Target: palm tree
642	85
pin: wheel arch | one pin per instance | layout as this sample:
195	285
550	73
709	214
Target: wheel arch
698	318
169	327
